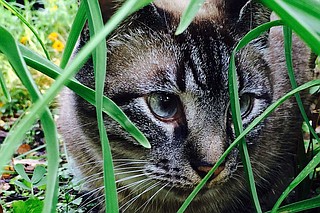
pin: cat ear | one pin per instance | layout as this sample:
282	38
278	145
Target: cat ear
108	8
247	14
234	8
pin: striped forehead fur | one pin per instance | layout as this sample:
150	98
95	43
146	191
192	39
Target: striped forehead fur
211	9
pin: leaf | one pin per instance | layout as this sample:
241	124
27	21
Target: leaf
188	15
42	182
4	87
19	168
38	174
74	33
33	30
32	205
99	61
19	207
22	185
9	47
303	16
300	206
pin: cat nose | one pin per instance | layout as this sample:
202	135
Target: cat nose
203	168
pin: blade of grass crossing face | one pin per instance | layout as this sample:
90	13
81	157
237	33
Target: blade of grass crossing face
252	125
246	39
188	15
235	107
109	107
99	61
37	108
74	33
10	48
4	87
16	13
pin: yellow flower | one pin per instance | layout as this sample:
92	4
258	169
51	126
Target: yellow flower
58	45
53	36
24	39
54	8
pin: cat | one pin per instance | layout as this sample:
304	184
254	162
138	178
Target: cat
174	88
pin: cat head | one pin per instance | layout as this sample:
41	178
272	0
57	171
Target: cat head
175	89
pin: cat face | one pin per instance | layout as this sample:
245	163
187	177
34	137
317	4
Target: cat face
175	89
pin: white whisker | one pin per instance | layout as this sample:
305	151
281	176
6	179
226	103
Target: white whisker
148	201
129	203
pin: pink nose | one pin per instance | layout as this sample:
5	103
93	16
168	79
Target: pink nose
203	170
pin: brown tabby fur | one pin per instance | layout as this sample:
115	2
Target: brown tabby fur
146	58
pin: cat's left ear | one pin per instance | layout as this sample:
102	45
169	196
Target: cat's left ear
246	14
108	8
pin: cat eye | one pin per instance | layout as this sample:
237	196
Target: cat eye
164	106
246	103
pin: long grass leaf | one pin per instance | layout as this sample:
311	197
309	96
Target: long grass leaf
99	61
33	30
234	93
300	177
4	87
303	16
37	108
109	107
235	143
300	206
74	33
188	15
10	48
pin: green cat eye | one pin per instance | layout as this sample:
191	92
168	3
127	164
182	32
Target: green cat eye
164	106
246	103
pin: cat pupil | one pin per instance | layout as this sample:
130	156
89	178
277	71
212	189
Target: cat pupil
164	106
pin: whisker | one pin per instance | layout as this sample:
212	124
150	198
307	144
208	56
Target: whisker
163	200
128	163
128	160
153	196
128	172
127	168
88	199
122	188
129	203
130	177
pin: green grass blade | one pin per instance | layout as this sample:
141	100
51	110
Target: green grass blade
19	168
235	106
37	108
4	87
253	124
300	206
75	31
303	16
109	107
188	15
16	13
10	48
305	188
288	55
303	174
234	93
99	61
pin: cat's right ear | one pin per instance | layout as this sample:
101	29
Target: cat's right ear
108	8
